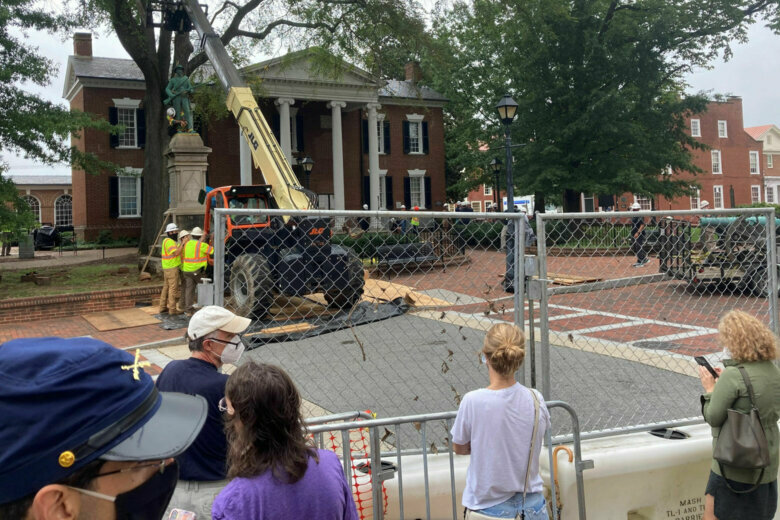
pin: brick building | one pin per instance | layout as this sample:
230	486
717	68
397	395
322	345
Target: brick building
732	169
303	106
769	135
49	197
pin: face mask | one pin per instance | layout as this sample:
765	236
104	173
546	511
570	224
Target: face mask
147	501
232	352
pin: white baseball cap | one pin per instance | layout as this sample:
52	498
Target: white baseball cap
170	228
213	317
635	205
196	232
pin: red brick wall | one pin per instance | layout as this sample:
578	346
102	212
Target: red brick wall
478	194
48	307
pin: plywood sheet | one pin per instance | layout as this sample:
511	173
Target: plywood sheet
381	290
285	329
121	319
571	279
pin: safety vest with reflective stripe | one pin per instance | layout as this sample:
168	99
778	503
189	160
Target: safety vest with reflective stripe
415	221
196	256
170	260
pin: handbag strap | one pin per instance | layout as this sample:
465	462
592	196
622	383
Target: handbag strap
533	441
749	385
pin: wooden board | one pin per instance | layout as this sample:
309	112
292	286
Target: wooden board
285	329
571	279
122	319
387	291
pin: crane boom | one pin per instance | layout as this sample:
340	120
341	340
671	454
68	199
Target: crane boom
265	149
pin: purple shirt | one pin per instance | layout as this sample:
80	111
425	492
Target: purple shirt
322	493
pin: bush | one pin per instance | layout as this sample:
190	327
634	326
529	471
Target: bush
105	237
480	234
365	245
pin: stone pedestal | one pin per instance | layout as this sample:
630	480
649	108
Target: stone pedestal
187	163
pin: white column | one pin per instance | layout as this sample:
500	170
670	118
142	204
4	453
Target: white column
373	159
283	105
338	153
245	158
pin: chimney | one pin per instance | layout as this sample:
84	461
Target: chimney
413	72
82	44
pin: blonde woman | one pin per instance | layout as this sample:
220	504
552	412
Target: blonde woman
495	425
751	346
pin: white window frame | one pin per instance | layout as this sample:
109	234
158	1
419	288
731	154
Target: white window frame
130	173
717	193
769	161
38	204
755	167
716	162
644	203
696	201
755	193
476	205
417	174
382	194
416	120
770	194
128	104
695	127
723	129
69	220
380	133
487	190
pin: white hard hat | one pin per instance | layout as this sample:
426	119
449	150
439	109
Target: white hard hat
365	206
704	204
183	233
635	206
403	207
170	228
196	232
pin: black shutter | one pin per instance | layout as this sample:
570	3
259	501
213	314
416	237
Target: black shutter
140	132
275	126
407	193
113	118
365	136
387	136
425	137
406	136
366	190
113	197
299	128
389	192
427	192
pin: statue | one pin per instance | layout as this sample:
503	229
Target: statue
178	90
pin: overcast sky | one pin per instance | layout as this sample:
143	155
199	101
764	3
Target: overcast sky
751	74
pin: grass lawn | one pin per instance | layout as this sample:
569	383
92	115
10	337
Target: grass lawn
72	279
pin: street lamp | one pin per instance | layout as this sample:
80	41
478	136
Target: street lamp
507	109
495	165
307	164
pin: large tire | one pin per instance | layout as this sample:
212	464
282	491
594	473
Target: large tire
251	287
350	295
759	282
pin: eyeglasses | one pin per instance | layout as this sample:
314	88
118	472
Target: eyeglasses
222	406
227	342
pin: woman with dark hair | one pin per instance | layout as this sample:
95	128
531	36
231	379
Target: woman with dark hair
734	493
502	427
276	471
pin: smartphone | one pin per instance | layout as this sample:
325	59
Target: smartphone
181	514
706	364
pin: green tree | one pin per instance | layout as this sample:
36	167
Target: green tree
31	125
598	82
356	29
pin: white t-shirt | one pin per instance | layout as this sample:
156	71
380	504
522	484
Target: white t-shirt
499	425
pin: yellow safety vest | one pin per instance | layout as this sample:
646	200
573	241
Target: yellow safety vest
415	221
170	260
196	256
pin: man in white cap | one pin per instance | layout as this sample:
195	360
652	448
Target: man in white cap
171	260
638	237
214	340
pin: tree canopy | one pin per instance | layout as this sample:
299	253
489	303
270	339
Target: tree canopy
599	84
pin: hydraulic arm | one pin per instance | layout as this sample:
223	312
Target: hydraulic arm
266	152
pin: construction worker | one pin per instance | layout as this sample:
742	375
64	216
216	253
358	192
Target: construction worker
184	236
194	262
415	221
171	260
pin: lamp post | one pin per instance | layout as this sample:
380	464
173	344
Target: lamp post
307	164
495	165
507	109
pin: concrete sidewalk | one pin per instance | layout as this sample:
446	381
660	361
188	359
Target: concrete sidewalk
53	258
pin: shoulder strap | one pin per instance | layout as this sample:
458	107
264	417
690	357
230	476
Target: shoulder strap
748	385
533	442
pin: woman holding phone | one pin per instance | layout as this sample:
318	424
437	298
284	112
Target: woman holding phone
753	347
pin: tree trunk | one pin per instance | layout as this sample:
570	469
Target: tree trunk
539	202
571	201
156	181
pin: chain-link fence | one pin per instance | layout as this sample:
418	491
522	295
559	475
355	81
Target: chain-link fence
631	297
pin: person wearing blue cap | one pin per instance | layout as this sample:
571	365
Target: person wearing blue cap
214	341
85	433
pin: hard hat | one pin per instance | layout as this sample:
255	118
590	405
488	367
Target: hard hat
704	204
403	207
635	206
183	233
365	206
417	208
170	228
196	232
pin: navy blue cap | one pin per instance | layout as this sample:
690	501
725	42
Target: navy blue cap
67	402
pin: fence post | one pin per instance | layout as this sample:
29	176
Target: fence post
771	244
519	281
377	497
219	258
541	247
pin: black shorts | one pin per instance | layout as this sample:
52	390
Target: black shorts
759	504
